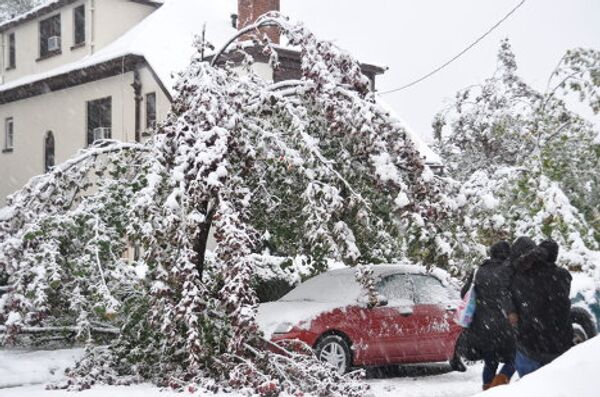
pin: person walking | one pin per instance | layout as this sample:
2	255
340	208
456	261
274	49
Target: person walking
540	295
490	336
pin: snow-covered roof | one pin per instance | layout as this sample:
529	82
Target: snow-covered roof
431	157
164	39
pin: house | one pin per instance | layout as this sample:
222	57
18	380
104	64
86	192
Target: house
74	71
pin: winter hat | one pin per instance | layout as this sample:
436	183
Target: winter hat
551	248
532	258
500	250
520	246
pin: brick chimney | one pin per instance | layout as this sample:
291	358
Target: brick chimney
250	10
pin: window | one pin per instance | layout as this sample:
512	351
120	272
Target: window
50	41
12	52
397	289
48	151
150	110
79	23
9	134
430	290
99	119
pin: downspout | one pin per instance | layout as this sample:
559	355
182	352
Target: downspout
92	26
137	96
3	57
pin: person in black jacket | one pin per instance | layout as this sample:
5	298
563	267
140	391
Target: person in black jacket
490	336
540	294
521	246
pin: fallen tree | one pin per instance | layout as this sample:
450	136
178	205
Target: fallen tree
312	168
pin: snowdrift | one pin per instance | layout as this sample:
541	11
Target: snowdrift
573	374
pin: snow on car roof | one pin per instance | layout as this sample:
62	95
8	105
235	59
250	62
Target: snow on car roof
340	285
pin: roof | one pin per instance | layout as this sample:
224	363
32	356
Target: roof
51	5
164	39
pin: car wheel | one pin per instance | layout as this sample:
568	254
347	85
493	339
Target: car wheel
583	325
579	335
457	362
334	349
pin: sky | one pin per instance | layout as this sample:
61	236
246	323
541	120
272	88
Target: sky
413	37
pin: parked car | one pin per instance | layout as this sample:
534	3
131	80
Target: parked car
585	307
411	323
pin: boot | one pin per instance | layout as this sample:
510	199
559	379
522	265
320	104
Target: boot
498	380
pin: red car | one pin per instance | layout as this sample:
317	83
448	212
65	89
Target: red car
412	323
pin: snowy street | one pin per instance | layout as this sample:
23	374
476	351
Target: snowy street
25	374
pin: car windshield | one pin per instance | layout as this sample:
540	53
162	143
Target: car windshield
327	287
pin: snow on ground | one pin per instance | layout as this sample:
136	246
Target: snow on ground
18	367
573	374
35	369
429	381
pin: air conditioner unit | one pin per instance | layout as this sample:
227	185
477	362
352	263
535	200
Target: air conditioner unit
101	133
54	43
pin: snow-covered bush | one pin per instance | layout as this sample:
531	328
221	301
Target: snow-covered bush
311	170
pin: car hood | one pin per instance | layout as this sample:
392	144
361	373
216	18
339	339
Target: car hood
298	313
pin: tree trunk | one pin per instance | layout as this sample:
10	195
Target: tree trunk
202	240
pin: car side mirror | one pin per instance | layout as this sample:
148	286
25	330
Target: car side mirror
381	301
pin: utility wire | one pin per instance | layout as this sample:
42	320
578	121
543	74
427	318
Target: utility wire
473	44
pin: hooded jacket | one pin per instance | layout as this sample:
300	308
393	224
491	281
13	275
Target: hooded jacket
490	335
540	294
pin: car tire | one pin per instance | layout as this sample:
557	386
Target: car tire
335	350
579	335
457	362
583	325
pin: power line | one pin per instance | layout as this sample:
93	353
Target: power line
473	44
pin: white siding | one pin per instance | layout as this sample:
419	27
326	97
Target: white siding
106	20
64	113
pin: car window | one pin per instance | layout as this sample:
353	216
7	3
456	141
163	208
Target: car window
429	290
396	289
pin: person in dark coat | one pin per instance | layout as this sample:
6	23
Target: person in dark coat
521	246
490	336
540	294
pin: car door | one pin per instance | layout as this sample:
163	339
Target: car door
434	309
392	328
